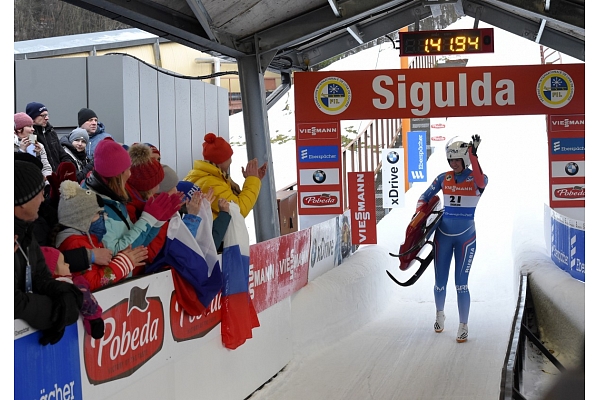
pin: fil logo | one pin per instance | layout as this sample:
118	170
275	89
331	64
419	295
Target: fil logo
304	154
417	174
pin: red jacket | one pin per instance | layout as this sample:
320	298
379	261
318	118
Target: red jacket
99	275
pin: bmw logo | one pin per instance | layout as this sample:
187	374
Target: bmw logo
393	157
319	176
572	168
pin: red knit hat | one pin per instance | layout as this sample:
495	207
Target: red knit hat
146	172
22	120
51	255
110	158
216	149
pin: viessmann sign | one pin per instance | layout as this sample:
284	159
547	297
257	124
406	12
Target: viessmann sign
460	92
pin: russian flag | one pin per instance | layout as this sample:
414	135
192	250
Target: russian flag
183	253
238	316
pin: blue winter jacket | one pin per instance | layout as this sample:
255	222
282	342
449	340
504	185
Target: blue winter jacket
95	139
120	231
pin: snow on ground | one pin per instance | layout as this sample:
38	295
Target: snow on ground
395	354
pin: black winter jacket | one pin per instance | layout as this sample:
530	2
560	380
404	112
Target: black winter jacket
37	308
54	151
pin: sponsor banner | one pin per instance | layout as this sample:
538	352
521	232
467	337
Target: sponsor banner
438	126
320	154
186	327
46	372
319	200
392	170
567	169
567	146
438	138
567	123
343	245
567	243
417	156
134	333
326	130
361	199
461	91
323	237
567	195
319	176
279	268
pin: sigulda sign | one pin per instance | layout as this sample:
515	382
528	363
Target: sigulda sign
443	92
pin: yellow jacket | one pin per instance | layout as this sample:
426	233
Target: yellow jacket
206	175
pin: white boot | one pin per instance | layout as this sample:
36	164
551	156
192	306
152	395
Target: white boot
439	321
463	333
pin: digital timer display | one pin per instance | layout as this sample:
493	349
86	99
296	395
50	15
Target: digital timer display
458	41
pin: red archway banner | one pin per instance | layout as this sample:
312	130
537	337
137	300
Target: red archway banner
440	92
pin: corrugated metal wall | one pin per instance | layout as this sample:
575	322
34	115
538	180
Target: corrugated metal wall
134	101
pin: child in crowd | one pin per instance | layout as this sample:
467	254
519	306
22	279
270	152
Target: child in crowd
82	218
90	310
74	145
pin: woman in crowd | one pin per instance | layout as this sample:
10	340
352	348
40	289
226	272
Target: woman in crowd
24	133
111	172
213	172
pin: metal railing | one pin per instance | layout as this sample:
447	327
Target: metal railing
524	325
363	153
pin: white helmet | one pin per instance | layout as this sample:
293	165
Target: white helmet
457	149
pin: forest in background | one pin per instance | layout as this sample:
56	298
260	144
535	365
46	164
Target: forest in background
35	19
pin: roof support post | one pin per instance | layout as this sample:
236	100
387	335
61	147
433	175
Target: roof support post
258	145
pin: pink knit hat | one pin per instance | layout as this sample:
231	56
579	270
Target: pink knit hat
51	255
22	120
110	158
216	149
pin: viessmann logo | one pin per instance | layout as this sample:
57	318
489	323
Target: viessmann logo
134	333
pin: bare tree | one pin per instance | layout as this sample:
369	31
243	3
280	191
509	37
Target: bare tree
34	19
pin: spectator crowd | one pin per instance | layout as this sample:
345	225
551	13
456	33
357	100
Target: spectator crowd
91	212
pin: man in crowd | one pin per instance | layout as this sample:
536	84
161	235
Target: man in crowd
43	302
46	134
88	120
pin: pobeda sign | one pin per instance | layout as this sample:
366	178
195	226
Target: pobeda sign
475	91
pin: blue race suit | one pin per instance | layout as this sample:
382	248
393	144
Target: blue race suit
455	234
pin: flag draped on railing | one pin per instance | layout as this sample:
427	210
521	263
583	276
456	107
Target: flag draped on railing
238	316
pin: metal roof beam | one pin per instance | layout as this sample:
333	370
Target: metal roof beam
526	28
203	18
160	21
319	22
392	21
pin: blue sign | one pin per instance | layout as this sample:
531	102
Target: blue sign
48	372
318	154
568	146
417	156
568	248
